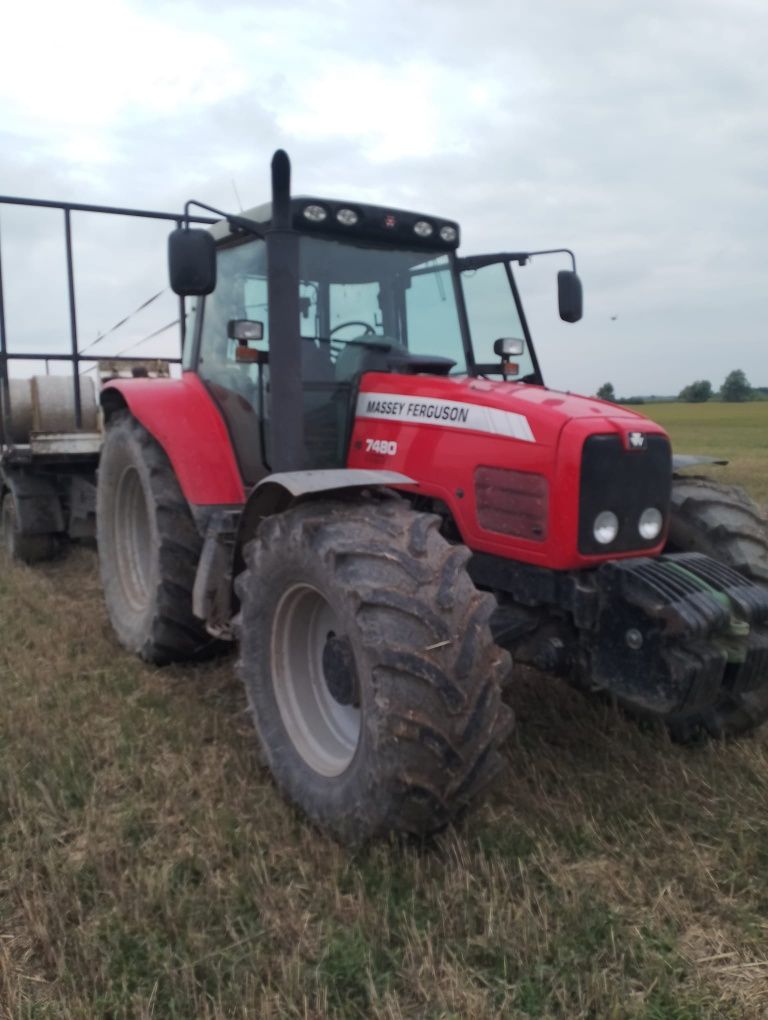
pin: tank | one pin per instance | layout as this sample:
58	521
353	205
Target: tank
46	403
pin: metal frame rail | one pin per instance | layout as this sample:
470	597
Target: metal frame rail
74	357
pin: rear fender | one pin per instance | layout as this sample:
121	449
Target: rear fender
181	415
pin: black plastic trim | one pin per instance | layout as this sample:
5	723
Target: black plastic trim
625	482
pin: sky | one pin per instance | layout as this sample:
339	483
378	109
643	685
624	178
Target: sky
635	134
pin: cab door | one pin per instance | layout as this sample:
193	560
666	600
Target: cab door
238	385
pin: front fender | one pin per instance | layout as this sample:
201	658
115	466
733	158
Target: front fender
680	461
276	492
181	415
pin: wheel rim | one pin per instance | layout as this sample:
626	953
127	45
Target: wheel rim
324	731
133	539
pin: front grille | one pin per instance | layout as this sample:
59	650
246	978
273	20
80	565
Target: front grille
625	482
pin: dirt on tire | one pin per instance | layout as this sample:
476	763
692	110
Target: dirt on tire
427	673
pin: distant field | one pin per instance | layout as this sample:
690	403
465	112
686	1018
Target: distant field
736	432
149	868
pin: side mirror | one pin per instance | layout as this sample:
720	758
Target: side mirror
191	262
569	296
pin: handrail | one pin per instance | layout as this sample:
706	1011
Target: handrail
114	210
75	356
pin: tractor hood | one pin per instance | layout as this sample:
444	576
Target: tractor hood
519	467
531	414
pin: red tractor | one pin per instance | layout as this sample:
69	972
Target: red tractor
379	517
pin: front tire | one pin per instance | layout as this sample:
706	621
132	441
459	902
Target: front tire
149	548
370	668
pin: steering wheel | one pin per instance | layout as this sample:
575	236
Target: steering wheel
369	329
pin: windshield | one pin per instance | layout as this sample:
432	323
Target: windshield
354	297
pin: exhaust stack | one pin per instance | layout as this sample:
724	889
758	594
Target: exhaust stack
286	403
281	190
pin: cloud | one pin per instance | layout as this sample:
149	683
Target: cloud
393	110
635	134
70	71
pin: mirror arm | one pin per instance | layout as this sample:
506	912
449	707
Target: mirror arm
552	251
479	261
521	257
241	222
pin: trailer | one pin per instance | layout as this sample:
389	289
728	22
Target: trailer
51	425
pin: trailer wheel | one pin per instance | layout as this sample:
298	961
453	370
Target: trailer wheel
721	521
370	668
149	548
20	548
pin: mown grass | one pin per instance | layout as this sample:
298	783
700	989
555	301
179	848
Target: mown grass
148	867
736	432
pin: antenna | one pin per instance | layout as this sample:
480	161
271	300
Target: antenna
237	196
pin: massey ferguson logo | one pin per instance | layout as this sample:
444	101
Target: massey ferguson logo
407	409
636	440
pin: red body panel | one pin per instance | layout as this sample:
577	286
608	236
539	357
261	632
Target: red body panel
181	415
529	429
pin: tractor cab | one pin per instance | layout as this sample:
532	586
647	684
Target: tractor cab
306	295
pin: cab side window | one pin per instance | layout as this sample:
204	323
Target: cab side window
492	313
241	293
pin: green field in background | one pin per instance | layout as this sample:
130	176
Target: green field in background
736	432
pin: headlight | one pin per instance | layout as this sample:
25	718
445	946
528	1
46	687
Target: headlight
347	217
315	213
650	524
448	233
422	228
606	527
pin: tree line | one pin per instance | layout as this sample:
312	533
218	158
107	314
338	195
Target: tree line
735	389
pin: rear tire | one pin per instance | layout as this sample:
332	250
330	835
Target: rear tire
149	548
20	548
370	668
721	521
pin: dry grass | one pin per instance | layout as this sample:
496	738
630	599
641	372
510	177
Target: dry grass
150	869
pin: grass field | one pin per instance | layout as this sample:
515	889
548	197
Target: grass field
736	432
148	868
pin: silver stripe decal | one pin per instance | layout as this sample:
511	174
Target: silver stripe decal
452	414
